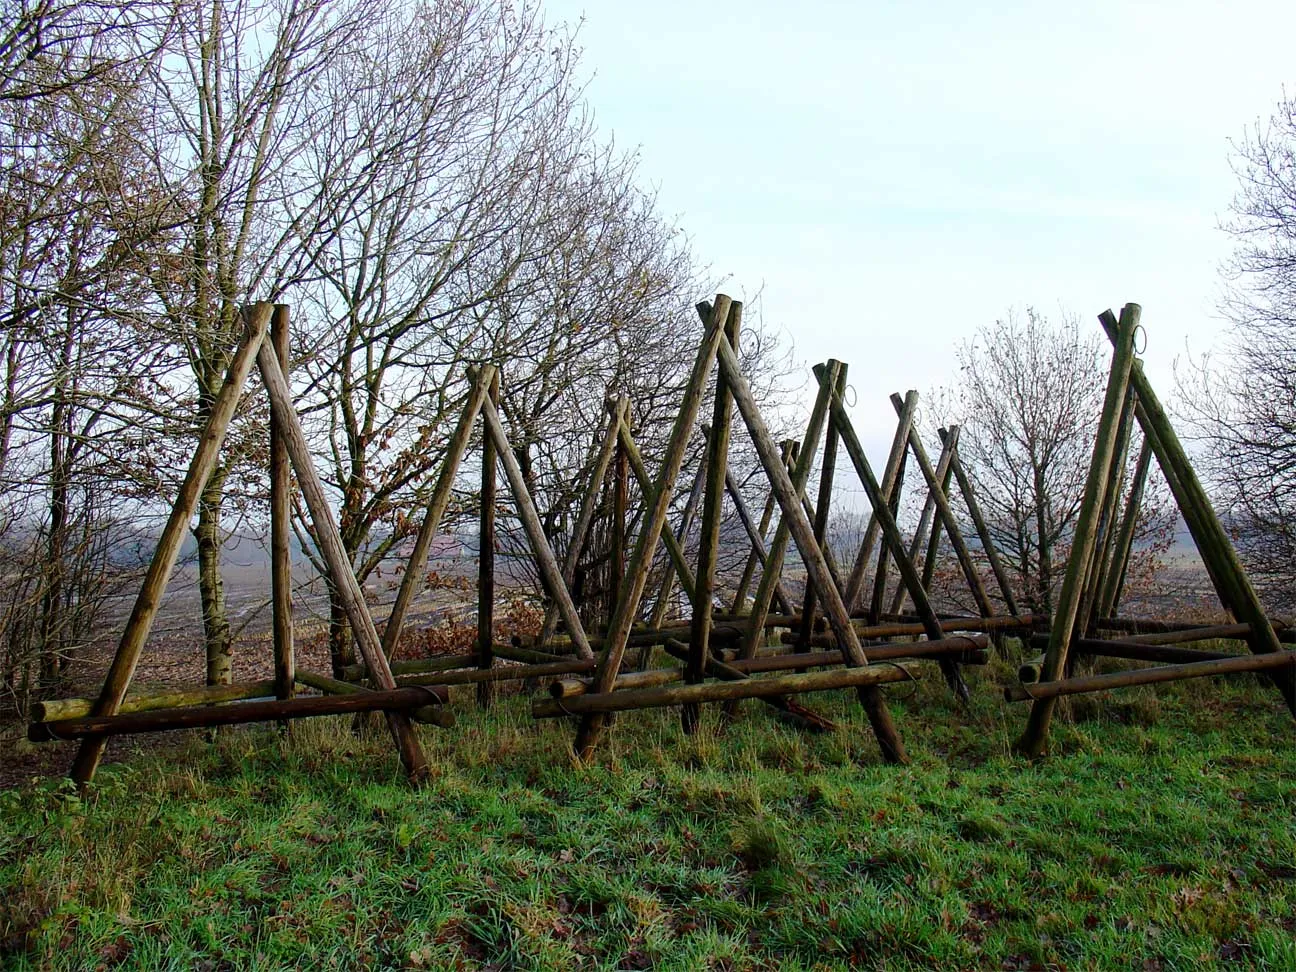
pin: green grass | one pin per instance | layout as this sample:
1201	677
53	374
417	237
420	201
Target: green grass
1159	835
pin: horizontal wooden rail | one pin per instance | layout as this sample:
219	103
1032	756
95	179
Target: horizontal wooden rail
1268	661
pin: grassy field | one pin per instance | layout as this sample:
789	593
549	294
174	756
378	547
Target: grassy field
1159	835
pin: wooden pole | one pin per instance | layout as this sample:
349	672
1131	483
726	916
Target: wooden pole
789	498
1232	583
329	542
674	547
937	493
943	473
697	663
895	458
1114	583
983	530
618	410
620	502
786	448
884	554
281	528
892	538
758	552
670	570
138	625
1099	566
236	713
799	475
546	562
869	677
827	467
52	710
591	726
1275	662
1035	735
486	559
481	382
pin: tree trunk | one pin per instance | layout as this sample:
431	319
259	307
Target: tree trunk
211	586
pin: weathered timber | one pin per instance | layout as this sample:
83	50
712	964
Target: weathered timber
757	538
430	714
787	448
789	497
661	604
899	445
618	411
481	381
329	542
566	688
1272	661
1100	563
874	614
281	619
53	709
441	663
486	557
1232	584
949	444
891	536
657	506
798	476
936	492
620	503
140	622
1114	583
983	531
674	547
547	564
823	504
400	700
750	688
1035	735
698	656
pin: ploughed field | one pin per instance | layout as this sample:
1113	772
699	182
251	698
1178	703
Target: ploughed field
1160	833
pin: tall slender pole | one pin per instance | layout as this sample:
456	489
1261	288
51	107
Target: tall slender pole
140	622
827	467
1033	739
717	466
486	559
983	530
285	669
786	448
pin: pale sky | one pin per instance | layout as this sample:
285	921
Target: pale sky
894	174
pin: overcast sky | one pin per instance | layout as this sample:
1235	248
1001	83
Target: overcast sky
892	175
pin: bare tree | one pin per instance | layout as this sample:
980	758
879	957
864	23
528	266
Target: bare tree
1243	405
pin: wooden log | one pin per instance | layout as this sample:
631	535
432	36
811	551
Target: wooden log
798	476
823	504
329	542
892	538
786	447
400	700
757	538
140	622
546	562
281	620
698	656
943	473
661	604
674	547
620	504
51	710
486	558
1273	661
566	688
750	688
528	655
1137	651
1209	632
789	497
1100	563
1035	735
618	411
481	381
1232	584
591	726
502	673
430	714
1114	584
884	554
936	491
983	531
442	663
899	444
